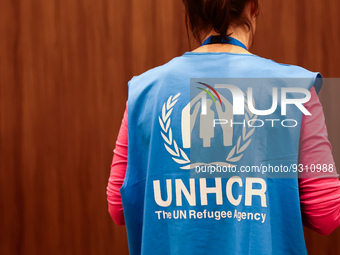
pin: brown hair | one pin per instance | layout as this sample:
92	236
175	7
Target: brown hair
205	15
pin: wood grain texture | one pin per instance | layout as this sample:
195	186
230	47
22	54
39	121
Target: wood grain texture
64	68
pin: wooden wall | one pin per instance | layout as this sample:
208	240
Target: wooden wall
64	68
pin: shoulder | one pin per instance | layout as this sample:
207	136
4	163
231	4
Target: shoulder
288	71
283	69
155	74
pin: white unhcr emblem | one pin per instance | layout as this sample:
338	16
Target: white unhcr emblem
188	122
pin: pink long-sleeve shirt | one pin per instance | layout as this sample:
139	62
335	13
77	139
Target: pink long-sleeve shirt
319	197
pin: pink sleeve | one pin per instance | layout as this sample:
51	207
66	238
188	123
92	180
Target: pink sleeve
118	170
319	193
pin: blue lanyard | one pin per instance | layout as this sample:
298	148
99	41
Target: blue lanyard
218	39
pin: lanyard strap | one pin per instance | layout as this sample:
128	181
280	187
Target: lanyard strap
219	39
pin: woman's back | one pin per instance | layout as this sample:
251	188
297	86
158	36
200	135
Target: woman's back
193	198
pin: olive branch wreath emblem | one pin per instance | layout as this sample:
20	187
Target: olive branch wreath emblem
180	157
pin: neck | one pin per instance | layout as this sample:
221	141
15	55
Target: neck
238	33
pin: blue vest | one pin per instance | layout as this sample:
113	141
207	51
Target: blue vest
180	194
